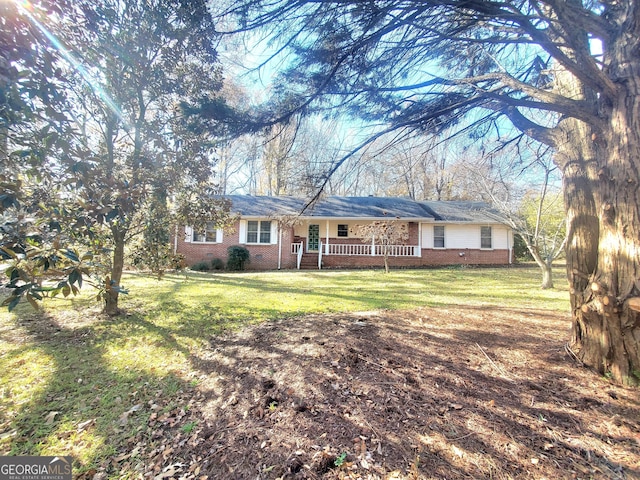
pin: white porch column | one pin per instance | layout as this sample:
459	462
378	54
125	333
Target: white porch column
326	251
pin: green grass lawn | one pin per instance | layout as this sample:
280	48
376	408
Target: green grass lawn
75	382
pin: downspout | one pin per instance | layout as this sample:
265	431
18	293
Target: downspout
175	242
279	246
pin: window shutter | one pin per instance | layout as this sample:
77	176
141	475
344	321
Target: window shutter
188	234
274	232
219	235
243	231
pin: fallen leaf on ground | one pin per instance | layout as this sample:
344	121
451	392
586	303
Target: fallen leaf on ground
124	418
49	419
83	425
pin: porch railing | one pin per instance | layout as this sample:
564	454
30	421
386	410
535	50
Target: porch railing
349	249
362	249
296	249
355	249
397	250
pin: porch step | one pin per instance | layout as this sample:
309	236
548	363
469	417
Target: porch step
309	261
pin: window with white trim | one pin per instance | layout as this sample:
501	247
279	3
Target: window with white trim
259	231
485	237
438	236
343	230
210	235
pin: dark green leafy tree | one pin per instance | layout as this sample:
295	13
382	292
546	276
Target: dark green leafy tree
152	249
130	70
423	66
35	133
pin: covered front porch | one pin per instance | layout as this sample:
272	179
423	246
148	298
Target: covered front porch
314	241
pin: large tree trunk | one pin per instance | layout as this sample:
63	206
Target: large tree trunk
602	197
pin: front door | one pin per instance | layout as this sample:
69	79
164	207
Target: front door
313	241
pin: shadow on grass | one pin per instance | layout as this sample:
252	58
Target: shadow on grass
97	385
268	293
103	375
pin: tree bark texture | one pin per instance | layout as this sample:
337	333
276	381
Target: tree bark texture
602	197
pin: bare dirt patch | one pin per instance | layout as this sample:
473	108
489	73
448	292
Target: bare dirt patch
431	393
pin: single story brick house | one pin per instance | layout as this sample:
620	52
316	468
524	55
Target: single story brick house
281	234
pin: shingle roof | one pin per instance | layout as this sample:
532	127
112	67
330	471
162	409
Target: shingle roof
458	211
369	207
261	206
363	207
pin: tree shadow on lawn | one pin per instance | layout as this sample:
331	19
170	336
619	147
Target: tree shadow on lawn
286	399
376	291
99	385
278	298
428	393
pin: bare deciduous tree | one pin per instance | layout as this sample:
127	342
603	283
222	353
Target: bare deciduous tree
383	235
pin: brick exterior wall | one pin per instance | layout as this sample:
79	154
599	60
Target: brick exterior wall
430	257
437	256
262	257
265	257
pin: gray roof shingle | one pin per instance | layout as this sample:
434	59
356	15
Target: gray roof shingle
364	208
459	211
369	207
